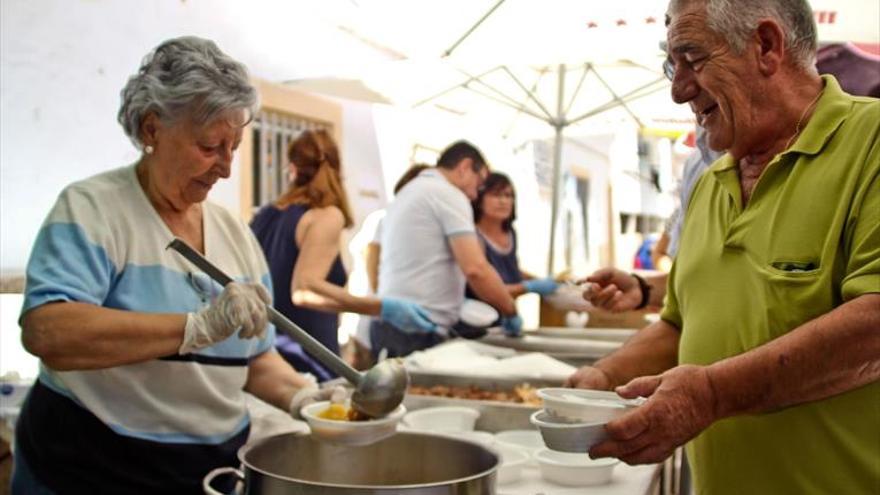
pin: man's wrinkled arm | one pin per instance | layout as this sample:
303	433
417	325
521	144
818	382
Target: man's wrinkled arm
652	350
834	353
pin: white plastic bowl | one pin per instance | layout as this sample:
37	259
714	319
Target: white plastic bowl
527	440
567	436
477	313
513	460
574	469
586	405
350	432
444	419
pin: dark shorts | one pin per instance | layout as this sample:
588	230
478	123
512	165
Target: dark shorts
399	343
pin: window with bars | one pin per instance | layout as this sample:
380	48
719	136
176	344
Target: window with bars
272	132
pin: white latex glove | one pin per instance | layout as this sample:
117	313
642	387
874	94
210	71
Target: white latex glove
239	306
311	394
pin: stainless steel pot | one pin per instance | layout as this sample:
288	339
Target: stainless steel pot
406	463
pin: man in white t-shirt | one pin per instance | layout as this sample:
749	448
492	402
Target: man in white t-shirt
430	252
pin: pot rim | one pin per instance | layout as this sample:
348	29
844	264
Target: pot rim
244	449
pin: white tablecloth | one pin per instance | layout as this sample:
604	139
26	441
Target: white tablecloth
627	480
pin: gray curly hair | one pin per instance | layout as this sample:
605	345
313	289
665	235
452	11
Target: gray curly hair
185	77
736	19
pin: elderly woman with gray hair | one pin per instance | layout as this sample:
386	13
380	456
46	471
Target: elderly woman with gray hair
144	361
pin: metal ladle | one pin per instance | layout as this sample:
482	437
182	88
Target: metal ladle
377	392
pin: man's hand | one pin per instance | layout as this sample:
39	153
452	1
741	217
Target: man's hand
681	403
589	377
512	325
406	316
613	290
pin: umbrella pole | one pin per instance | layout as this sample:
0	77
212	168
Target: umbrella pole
559	124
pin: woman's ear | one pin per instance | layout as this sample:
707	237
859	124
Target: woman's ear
291	172
150	130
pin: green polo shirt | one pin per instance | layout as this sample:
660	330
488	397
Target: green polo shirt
808	241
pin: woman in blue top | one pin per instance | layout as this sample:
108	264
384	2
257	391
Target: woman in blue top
300	234
494	213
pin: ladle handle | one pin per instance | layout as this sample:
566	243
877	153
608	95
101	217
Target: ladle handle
312	346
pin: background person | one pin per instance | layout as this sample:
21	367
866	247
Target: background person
616	290
494	213
430	251
372	228
766	355
300	235
143	362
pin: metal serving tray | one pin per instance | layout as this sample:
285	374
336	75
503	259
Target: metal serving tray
494	415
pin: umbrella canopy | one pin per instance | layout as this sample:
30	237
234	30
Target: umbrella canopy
535	68
529	68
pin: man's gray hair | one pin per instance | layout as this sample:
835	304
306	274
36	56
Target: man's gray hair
185	77
735	20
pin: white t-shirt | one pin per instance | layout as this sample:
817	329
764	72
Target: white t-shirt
416	262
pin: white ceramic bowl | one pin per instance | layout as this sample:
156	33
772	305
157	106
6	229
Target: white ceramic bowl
586	405
350	432
448	419
574	469
513	461
566	436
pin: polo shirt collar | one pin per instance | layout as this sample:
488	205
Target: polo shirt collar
831	110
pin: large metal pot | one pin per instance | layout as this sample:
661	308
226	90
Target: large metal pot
406	463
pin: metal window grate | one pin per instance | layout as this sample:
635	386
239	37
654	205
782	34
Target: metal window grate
272	132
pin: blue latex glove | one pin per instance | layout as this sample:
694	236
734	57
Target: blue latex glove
406	316
512	325
542	286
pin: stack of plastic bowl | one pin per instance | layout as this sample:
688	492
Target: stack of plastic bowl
443	419
573	421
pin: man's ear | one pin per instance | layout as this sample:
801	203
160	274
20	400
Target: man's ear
770	39
465	164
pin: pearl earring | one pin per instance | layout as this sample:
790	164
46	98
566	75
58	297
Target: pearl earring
148	149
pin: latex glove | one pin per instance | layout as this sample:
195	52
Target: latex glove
406	316
311	394
512	325
542	286
240	306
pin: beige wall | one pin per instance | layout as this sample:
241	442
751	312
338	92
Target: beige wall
278	98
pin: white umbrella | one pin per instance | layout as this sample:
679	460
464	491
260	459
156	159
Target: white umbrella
533	66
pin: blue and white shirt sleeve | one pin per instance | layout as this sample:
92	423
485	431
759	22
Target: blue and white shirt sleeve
71	259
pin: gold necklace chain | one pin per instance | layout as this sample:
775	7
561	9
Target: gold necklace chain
797	128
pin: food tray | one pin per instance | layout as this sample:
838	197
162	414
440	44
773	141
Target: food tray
603	334
494	415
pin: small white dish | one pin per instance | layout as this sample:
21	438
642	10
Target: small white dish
586	405
526	441
444	419
350	432
566	436
513	461
574	469
477	313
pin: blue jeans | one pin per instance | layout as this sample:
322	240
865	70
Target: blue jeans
398	342
23	480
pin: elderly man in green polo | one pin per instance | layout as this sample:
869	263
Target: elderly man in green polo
767	356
